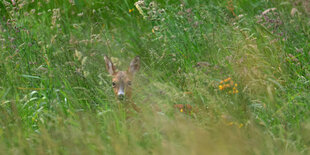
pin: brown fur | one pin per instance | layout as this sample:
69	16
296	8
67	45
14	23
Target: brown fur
121	80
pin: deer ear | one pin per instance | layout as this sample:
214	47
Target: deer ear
134	65
109	65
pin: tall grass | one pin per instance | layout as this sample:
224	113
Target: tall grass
56	96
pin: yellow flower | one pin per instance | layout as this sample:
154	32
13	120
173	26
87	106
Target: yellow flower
240	125
231	123
235	91
220	87
226	80
232	82
131	10
236	84
181	110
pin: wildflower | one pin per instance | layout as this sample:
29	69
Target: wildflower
13	2
55	17
231	123
232	82
229	85
235	91
72	2
80	14
85	73
228	79
131	10
240	125
138	6
156	28
181	110
32	11
78	54
84	61
188	93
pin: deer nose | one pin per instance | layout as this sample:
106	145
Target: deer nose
121	96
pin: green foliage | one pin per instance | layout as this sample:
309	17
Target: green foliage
56	95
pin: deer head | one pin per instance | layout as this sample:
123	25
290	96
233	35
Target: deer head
121	80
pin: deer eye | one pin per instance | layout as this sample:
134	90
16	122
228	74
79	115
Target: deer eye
129	83
113	84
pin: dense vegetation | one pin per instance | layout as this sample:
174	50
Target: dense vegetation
242	65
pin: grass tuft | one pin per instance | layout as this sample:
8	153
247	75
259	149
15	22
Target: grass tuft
217	77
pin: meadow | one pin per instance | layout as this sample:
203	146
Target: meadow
242	65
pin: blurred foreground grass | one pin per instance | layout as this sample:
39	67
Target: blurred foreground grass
242	65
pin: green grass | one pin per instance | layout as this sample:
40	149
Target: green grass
56	95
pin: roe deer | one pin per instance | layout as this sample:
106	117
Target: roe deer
121	80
